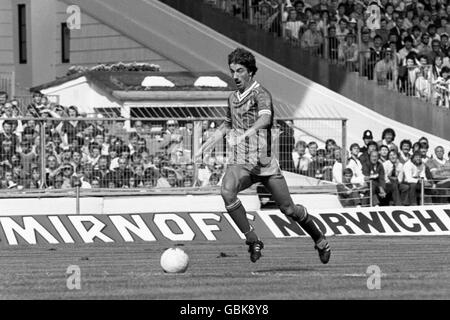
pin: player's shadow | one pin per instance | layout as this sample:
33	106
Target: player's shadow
286	269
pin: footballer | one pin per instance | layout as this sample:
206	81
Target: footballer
247	128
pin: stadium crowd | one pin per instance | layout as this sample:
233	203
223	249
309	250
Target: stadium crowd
97	153
401	44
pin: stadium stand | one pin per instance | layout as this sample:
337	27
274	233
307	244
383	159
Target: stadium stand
99	152
401	45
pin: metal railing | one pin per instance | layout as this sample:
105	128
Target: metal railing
136	153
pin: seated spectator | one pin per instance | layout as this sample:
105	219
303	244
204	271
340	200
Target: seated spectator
423	149
364	157
123	173
101	172
415	172
319	168
347	191
396	190
355	165
405	151
383	153
373	172
67	175
424	47
445	45
406	50
440	171
168	182
34	108
367	137
330	148
387	139
383	32
72	128
312	150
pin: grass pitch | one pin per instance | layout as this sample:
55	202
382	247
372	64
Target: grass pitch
412	268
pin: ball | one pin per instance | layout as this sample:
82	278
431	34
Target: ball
174	260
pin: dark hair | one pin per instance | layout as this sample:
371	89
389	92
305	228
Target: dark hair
245	58
405	142
372	143
377	37
386	131
4	93
348	171
445	69
37	93
408	39
417	154
353	146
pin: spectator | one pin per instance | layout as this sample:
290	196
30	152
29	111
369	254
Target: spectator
422	85
396	190
387	139
102	173
122	174
405	151
355	165
383	32
319	168
34	108
312	150
373	172
364	157
415	172
349	192
376	55
348	53
424	47
383	152
333	45
3	99
73	128
337	166
286	142
385	71
169	182
423	149
312	39
293	28
367	137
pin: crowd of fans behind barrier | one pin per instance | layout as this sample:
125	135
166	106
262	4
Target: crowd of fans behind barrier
401	44
100	154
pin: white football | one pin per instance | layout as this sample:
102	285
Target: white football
174	260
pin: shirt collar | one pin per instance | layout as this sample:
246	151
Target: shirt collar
242	96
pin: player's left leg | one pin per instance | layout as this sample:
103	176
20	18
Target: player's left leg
235	180
277	185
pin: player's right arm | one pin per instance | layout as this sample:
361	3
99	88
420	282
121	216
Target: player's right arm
221	131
